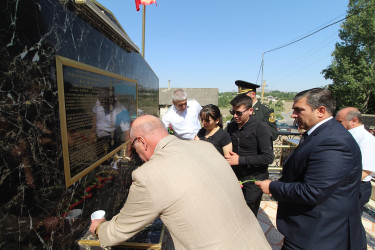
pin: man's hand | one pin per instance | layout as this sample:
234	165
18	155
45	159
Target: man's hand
233	158
264	185
365	173
94	225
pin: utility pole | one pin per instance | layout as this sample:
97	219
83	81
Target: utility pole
263	86
143	30
262	77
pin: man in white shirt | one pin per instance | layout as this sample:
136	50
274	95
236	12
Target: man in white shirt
183	116
351	119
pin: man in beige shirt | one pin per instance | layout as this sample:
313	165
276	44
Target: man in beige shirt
193	190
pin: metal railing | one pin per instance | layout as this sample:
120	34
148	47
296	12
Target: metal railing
133	245
96	243
282	147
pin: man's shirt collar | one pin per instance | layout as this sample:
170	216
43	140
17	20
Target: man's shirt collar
318	124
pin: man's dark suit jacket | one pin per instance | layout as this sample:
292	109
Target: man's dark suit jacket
318	193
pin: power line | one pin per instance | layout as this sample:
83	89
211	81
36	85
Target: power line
304	37
320	26
300	69
283	46
261	65
284	70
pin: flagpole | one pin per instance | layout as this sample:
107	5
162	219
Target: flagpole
262	77
143	30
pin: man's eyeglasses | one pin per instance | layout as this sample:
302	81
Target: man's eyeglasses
132	150
181	106
238	113
133	155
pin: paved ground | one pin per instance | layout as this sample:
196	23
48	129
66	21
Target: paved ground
267	220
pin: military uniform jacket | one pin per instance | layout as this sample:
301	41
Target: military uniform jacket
266	114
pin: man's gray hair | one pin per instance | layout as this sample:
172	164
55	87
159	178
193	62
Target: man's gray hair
354	114
317	97
179	95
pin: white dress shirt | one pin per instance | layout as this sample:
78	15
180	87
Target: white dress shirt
185	124
107	123
366	143
318	124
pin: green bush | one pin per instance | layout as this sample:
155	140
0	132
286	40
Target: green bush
227	118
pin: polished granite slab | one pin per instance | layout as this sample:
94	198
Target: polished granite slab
35	200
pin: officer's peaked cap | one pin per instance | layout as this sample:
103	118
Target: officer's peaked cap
244	87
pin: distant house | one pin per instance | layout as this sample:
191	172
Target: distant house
203	95
271	98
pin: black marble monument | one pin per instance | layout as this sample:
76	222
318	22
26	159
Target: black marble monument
65	66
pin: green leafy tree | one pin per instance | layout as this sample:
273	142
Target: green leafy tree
279	104
353	66
282	95
225	98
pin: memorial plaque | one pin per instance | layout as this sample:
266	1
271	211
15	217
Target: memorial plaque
96	110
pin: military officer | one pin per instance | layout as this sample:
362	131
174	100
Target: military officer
261	111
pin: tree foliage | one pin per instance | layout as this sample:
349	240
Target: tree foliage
225	98
286	96
353	65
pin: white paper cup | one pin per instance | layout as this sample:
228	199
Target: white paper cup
73	215
97	215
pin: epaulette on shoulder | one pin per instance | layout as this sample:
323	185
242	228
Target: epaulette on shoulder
267	108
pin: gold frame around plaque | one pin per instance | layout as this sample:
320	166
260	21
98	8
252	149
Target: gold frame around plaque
60	62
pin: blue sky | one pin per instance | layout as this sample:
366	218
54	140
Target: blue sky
210	44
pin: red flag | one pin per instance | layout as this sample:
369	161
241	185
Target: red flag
144	2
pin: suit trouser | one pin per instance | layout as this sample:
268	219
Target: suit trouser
364	197
253	196
364	194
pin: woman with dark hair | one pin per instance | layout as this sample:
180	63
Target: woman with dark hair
212	130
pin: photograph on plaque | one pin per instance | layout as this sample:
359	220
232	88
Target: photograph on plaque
97	108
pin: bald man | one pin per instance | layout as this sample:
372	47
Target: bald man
191	187
351	119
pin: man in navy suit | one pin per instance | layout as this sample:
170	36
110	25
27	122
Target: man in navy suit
318	194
